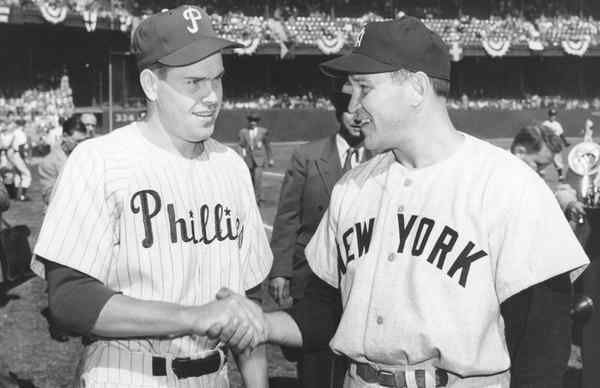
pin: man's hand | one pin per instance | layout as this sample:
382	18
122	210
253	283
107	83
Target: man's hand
239	334
575	212
271	162
565	194
279	289
231	319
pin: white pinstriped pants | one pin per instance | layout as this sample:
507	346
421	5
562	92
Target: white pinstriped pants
103	366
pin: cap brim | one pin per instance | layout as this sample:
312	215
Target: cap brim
197	51
354	63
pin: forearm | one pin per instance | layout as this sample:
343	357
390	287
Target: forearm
253	367
123	316
282	329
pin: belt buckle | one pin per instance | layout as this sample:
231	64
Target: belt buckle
176	364
386	378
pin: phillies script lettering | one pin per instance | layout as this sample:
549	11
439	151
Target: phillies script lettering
417	240
209	225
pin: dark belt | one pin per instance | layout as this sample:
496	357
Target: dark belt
184	368
397	379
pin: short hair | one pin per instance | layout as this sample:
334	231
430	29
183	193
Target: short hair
340	102
533	136
73	124
440	86
159	69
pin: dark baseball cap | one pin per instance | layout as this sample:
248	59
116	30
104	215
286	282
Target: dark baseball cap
253	116
177	37
392	45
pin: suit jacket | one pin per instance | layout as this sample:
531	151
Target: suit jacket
255	151
49	169
314	170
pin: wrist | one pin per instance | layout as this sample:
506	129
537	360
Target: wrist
191	318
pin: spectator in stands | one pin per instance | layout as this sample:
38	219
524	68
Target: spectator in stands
74	132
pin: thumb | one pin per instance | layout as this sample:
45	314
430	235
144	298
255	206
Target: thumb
224	292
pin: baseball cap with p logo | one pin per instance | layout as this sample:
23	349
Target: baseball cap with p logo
177	37
392	45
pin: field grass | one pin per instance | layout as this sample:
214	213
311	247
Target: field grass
25	345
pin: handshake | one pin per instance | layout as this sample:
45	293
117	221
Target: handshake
232	320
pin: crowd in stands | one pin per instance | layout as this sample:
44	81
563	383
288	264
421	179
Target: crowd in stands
38	112
310	101
305	22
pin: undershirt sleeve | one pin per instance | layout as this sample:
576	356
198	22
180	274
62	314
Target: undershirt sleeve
317	314
70	290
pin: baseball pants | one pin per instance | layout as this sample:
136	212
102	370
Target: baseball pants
23	176
105	366
501	380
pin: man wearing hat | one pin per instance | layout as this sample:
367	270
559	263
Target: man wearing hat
314	169
255	147
148	223
90	122
554	125
421	244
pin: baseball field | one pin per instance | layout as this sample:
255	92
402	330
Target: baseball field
26	347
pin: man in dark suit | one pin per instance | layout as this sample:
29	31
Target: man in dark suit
314	169
255	146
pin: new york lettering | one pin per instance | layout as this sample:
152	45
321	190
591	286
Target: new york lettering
436	248
211	224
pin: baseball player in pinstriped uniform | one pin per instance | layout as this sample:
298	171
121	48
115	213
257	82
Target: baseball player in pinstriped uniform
423	242
147	223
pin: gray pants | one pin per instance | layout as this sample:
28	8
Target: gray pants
502	380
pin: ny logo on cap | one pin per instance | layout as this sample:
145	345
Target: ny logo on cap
193	15
359	38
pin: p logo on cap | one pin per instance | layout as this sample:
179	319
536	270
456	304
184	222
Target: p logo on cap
193	15
359	38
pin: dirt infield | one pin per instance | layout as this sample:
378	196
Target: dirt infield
25	345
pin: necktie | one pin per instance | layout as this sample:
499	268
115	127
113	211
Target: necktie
348	161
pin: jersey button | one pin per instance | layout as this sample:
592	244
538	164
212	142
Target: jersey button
400	208
391	257
379	320
407	182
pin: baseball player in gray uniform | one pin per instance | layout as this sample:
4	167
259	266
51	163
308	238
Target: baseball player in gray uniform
422	244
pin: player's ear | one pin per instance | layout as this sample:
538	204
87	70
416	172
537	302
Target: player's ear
149	83
519	151
420	85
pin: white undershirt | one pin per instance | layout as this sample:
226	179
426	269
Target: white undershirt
343	146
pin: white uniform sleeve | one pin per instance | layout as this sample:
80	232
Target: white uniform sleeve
321	251
534	243
255	245
79	229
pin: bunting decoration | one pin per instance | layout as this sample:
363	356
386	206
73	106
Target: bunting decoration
331	43
53	13
576	47
496	48
90	19
4	14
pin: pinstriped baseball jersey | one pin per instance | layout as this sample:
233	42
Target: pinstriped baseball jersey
156	226
425	262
